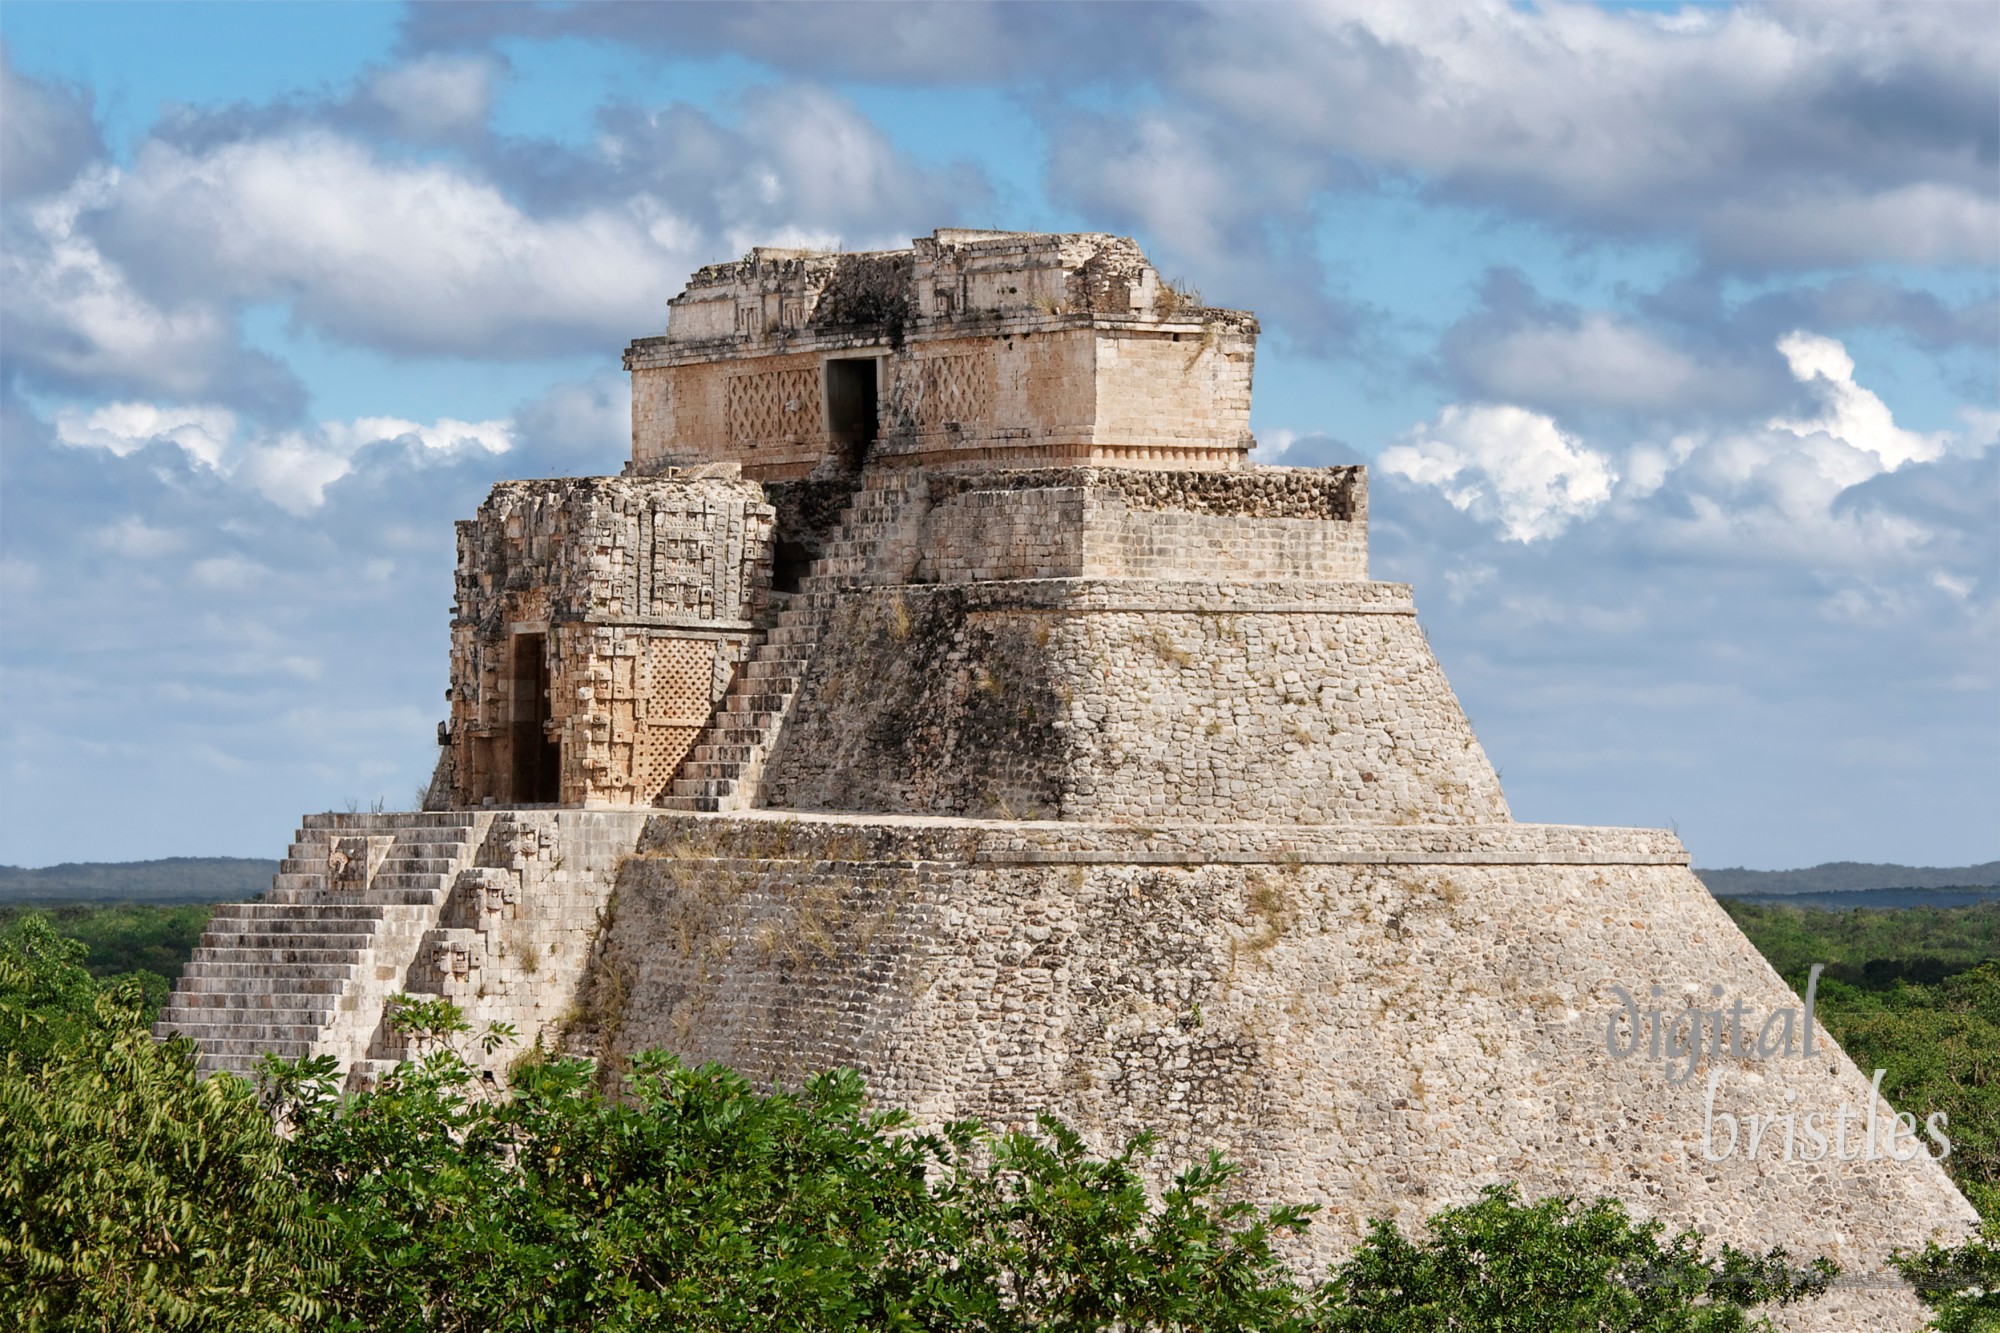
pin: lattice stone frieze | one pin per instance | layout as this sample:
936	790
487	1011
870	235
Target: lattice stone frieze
680	694
774	405
953	389
680	681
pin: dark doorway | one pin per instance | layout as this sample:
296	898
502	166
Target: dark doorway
851	406
790	563
537	760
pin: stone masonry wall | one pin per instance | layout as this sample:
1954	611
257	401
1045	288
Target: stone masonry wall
1378	1021
514	939
1178	389
1129	699
1111	523
603	616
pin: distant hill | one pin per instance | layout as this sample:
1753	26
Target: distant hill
1847	877
176	879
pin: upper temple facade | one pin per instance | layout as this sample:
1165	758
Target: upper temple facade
970	349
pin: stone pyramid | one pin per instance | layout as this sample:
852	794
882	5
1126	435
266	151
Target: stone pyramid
943	693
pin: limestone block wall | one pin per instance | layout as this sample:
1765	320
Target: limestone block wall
1376	1020
1266	523
1131	699
514	938
1161	392
597	622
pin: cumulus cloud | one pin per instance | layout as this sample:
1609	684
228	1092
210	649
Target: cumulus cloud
1685	651
513	250
1780	493
415	257
888	40
291	469
1849	413
203	433
47	134
74	320
1507	465
434	97
1764	132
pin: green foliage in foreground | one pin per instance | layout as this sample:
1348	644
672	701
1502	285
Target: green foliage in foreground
1961	1283
1501	1266
135	1196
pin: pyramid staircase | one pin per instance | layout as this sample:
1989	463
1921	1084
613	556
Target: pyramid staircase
876	542
305	971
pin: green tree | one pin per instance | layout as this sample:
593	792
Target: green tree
135	1195
1503	1266
1960	1283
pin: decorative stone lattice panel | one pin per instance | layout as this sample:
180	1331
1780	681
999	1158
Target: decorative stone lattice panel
774	405
679	696
953	390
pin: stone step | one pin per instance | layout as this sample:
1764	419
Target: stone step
322	910
303	980
745	704
386	878
725	752
702	787
230	1033
390	821
327	917
239	1053
786	669
713	769
196	1020
271	956
730	737
708	805
201	1002
274	935
395	864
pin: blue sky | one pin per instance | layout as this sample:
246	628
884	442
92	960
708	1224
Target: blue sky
1670	335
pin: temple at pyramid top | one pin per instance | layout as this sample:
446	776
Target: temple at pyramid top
969	350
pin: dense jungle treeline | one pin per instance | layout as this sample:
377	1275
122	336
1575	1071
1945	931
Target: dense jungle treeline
135	1195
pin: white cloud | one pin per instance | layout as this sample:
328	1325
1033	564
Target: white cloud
1507	465
1774	136
1597	361
292	469
74	316
1849	413
416	257
437	96
442	436
1773	492
133	537
47	134
202	433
